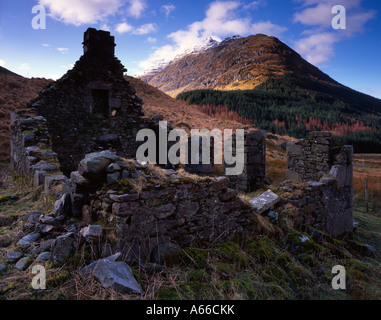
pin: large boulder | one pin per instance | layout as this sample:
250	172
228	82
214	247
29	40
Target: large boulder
94	166
112	274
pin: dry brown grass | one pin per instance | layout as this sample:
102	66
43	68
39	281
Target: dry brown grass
367	167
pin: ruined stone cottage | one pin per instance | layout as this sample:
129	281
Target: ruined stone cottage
77	140
92	107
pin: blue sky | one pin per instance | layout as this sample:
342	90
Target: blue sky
148	30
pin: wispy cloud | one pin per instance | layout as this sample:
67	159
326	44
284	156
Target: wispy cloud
63	50
151	40
2	63
145	29
124	27
167	9
318	46
222	18
46	45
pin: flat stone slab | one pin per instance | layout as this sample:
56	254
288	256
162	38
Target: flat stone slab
116	275
265	201
13	257
23	263
92	232
29	239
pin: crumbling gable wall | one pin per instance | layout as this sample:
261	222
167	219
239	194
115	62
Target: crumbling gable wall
320	168
92	107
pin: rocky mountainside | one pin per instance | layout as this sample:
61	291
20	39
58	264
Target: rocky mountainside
235	63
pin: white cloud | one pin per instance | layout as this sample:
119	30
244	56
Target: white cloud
81	12
167	9
221	19
151	40
254	5
63	50
318	46
123	28
2	63
142	30
46	45
136	8
145	29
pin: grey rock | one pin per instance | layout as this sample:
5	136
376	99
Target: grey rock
29	139
141	166
62	207
64	248
43	257
29	239
274	216
3	268
46	219
54	181
136	175
44	167
39	178
116	275
220	184
113	178
23	263
14	256
93	232
265	201
76	178
45	229
124	197
94	165
293	176
113	167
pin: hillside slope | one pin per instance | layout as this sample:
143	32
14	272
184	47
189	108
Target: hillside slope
15	91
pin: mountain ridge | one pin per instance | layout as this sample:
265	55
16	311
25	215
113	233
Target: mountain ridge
235	64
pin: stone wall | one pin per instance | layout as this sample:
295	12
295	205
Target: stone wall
313	157
31	155
255	163
179	211
321	170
